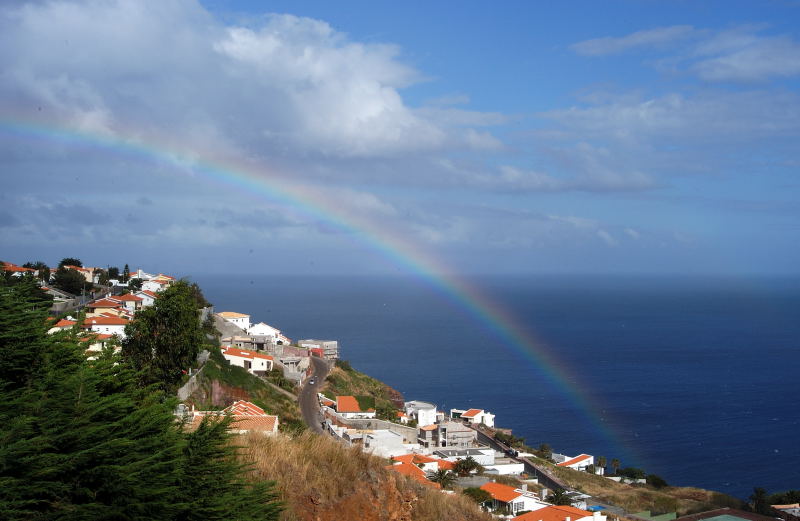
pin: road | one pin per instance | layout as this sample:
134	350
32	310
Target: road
309	404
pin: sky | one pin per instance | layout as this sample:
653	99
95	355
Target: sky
620	137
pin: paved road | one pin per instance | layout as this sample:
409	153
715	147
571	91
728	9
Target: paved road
309	404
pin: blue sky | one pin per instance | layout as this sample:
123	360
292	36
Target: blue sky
579	137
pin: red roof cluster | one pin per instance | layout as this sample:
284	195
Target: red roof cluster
243	353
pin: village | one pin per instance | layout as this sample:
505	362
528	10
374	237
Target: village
436	448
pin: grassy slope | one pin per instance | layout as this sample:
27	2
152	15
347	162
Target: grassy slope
348	381
247	385
319	479
635	498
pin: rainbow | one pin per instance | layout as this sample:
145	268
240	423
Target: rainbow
257	181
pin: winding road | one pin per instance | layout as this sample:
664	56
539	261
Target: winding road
309	404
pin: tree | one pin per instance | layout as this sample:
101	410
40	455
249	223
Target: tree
544	451
214	484
758	502
164	339
478	495
601	462
69	280
559	497
443	477
615	464
126	274
113	272
42	269
631	472
656	481
135	284
464	467
70	261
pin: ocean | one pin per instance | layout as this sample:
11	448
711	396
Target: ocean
694	379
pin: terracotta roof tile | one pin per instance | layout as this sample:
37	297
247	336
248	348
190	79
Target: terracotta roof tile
413	472
500	492
347	404
553	513
576	459
471	413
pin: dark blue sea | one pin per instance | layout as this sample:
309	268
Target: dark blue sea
697	379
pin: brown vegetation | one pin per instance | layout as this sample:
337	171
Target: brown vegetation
636	498
320	480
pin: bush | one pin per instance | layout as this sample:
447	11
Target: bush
656	481
631	473
478	495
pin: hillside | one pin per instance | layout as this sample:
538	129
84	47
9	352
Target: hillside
320	480
344	380
636	498
221	383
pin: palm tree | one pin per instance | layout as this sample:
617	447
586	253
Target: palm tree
559	497
601	463
464	467
615	465
443	477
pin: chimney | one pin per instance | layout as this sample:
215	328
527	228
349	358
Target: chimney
524	487
544	494
567	518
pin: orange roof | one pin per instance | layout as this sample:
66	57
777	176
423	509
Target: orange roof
576	459
401	414
232	314
149	293
347	404
414	459
103	303
105	321
128	297
244	408
263	423
414	472
553	513
429	427
95	337
15	268
446	465
501	492
471	413
65	323
243	353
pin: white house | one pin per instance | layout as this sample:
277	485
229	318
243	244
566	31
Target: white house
347	407
263	329
130	301
515	499
474	416
580	462
148	297
106	325
238	319
255	362
155	285
423	412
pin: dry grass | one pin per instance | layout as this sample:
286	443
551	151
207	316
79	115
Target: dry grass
320	479
635	498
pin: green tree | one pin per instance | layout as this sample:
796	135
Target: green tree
478	495
602	462
42	269
632	473
70	261
23	330
758	502
135	284
214	484
69	280
615	464
163	340
443	477
656	481
126	274
113	272
559	497
544	451
464	467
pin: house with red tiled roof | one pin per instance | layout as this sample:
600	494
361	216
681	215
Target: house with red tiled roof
62	325
414	472
18	271
580	462
256	363
148	297
104	305
130	301
511	498
560	513
348	407
155	285
473	416
426	463
247	417
109	325
96	342
240	320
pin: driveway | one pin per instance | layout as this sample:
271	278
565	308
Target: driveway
309	404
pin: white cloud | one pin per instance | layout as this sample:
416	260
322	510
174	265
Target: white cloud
607	238
647	38
633	234
289	86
